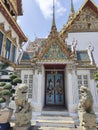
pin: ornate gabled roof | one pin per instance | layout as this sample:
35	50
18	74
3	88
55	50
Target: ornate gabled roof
37	44
72	11
54	45
19	7
27	56
86	19
55	51
85	59
25	60
82	55
12	22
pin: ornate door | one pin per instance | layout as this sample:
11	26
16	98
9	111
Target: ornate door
54	88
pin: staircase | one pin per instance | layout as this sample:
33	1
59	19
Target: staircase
54	119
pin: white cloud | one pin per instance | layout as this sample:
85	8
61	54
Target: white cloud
46	7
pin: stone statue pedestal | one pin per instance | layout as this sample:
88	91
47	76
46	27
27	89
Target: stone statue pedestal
83	128
87	121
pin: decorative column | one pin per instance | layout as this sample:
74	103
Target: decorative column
94	91
69	86
37	88
72	88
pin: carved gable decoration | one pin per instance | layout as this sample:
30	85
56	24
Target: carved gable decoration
86	21
54	52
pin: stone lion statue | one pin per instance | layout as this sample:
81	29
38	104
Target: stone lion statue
23	112
87	116
20	96
86	100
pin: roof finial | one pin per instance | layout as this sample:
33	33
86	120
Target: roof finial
53	22
53	31
72	11
72	7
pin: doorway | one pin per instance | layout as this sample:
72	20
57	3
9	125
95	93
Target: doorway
54	85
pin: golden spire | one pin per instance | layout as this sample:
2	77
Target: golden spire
72	7
72	12
53	22
53	31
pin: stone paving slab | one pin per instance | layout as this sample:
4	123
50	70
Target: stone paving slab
54	128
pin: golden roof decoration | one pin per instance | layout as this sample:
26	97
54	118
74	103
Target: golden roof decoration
12	22
53	38
14	4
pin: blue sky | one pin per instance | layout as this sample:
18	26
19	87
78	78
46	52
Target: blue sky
37	17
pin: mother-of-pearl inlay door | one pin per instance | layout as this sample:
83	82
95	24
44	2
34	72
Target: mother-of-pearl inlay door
54	91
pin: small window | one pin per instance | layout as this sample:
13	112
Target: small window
25	81
28	79
85	76
1	41
25	76
7	49
13	53
82	80
79	76
31	76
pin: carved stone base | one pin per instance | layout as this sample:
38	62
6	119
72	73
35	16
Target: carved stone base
87	121
87	128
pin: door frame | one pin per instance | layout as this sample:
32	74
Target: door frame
49	70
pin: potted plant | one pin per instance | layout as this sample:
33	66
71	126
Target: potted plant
6	92
15	80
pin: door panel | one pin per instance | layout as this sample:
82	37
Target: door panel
59	93
50	89
54	89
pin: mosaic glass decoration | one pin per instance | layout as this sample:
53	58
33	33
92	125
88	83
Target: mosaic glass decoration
54	52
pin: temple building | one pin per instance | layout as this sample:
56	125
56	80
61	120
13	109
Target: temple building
11	35
54	69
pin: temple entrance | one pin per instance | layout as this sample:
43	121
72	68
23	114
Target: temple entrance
54	88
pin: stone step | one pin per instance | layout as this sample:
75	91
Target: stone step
54	121
55	113
45	117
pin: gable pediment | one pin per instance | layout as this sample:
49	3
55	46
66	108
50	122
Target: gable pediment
54	52
54	49
86	21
